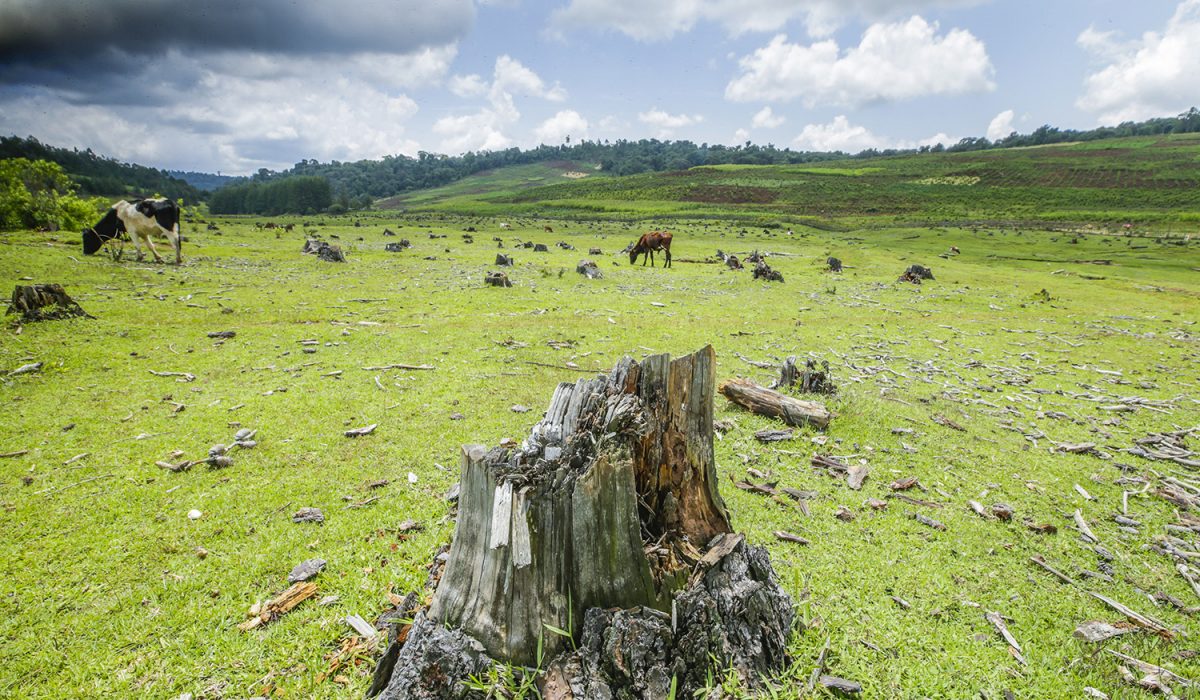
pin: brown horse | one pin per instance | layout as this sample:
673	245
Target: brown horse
647	244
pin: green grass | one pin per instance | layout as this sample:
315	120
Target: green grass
105	596
1151	182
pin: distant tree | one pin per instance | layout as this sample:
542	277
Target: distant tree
37	193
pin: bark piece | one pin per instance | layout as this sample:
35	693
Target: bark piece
308	515
588	269
359	432
767	402
1098	631
305	570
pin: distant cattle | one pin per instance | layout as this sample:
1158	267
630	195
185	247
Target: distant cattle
142	219
835	265
647	244
548	229
504	225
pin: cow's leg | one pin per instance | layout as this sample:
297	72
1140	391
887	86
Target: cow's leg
173	236
153	251
137	247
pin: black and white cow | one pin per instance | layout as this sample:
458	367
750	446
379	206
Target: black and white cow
142	218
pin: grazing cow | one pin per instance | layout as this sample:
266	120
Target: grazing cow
142	219
647	244
504	225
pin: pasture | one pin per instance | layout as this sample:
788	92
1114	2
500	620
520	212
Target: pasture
967	383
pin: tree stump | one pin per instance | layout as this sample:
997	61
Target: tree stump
810	380
588	269
44	302
763	271
835	265
323	250
503	260
393	247
916	273
606	525
540	248
497	279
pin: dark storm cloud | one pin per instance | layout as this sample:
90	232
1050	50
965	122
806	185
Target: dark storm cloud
66	35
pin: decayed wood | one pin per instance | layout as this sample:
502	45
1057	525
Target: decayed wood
279	605
809	380
1145	667
609	502
766	402
44	302
1137	617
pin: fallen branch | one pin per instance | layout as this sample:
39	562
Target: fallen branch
765	402
77	483
1137	617
380	368
184	376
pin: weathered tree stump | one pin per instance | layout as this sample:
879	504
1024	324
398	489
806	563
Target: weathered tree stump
393	247
605	524
916	273
503	260
497	279
588	269
44	302
323	250
564	245
540	248
767	402
763	271
835	265
594	251
810	380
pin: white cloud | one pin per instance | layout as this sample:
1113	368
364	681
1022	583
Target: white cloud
663	19
892	62
244	111
841	135
485	130
741	136
566	123
468	85
1152	76
766	119
667	123
1001	126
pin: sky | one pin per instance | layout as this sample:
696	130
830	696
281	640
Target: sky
233	86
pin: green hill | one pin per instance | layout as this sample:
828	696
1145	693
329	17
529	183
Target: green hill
499	181
1147	180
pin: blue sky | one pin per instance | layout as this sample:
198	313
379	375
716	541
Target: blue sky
221	85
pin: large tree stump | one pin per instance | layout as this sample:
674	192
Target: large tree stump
611	504
44	302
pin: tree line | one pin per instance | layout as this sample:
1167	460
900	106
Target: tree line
98	175
302	194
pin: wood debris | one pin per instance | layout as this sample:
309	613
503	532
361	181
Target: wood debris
359	432
261	614
766	402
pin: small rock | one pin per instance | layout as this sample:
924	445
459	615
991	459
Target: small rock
305	570
456	416
194	514
201	552
411	525
518	408
412	478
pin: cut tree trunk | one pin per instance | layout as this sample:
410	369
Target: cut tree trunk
44	302
605	526
765	402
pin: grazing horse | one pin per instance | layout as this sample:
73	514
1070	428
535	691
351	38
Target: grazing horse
548	229
647	244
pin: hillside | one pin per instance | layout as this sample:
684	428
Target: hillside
500	181
99	175
202	181
1145	180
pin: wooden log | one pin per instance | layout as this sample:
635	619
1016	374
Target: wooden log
766	402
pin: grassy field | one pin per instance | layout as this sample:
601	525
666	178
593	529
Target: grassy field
105	593
514	178
1151	182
